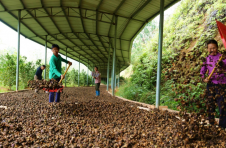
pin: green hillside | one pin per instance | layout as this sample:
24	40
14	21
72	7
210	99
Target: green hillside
185	35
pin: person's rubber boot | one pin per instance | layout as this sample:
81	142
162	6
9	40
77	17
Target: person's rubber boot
96	93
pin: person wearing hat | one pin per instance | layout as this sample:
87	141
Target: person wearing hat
55	70
38	74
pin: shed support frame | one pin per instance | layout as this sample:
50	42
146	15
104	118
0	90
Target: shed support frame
78	70
18	51
161	23
65	70
108	66
114	53
87	74
45	55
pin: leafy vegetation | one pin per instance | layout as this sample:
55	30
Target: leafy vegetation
27	71
185	35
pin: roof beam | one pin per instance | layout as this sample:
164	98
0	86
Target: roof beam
78	33
134	14
74	33
99	46
80	39
51	16
97	10
45	29
6	10
80	3
30	30
116	10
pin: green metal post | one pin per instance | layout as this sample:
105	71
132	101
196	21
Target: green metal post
113	78
18	52
45	55
87	74
66	68
92	76
119	77
161	22
78	70
112	75
108	66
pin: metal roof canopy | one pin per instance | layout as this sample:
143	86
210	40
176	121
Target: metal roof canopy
84	27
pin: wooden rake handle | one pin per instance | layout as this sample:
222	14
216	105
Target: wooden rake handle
215	67
64	73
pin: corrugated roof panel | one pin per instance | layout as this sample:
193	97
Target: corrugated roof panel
121	25
125	45
72	12
76	24
131	29
39	13
70	3
146	12
31	23
90	26
109	6
103	29
51	3
129	7
77	41
87	42
91	4
32	3
16	4
125	29
48	24
61	22
57	11
125	54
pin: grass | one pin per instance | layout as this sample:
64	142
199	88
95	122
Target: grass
6	88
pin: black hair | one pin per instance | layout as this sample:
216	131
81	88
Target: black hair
212	42
96	67
55	45
44	66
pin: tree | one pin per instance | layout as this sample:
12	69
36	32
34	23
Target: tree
8	70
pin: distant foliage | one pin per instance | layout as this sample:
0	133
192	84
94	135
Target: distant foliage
8	70
185	34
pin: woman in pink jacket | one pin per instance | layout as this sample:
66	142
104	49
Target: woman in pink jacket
216	85
97	76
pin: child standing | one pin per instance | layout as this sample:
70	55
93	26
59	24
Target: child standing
55	70
216	84
97	76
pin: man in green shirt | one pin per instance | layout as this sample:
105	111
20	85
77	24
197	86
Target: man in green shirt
55	70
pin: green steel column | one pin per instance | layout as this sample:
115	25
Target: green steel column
92	77
161	22
112	75
87	74
78	70
45	56
119	77
114	54
66	68
18	52
115	73
108	65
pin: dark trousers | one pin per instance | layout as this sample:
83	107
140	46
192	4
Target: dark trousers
97	86
216	95
51	95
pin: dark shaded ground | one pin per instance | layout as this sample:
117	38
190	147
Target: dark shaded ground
83	120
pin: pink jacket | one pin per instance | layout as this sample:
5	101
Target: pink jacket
98	79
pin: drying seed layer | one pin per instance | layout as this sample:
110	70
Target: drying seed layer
83	120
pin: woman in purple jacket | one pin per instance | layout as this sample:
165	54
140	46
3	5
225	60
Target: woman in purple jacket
216	84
